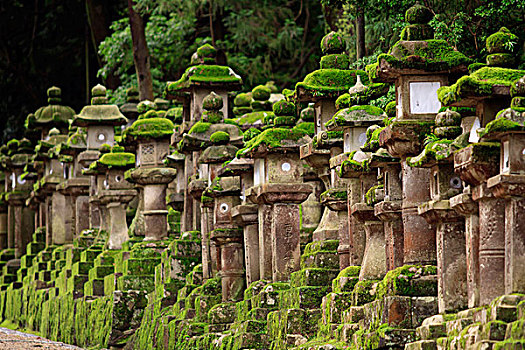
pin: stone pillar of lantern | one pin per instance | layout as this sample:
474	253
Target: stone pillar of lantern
75	185
207	136
151	133
317	153
115	193
228	237
20	218
223	194
57	215
417	104
450	226
245	215
475	164
389	209
99	118
191	92
509	185
277	184
365	227
3	209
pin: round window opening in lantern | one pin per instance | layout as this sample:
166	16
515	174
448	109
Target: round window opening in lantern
20	180
455	182
224	207
286	166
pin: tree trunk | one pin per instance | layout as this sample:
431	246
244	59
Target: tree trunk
99	23
140	53
360	33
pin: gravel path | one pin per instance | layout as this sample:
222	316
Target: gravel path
14	340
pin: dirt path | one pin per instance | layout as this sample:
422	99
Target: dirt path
14	340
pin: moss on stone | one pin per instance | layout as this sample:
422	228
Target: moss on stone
332	43
429	55
433	151
205	74
418	14
199	128
480	83
118	159
274	137
174	114
372	92
220	138
261	93
335	61
356	115
154	128
242	100
503	41
324	81
283	108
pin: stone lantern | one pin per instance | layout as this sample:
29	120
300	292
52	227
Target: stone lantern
496	78
58	224
367	245
226	234
509	184
152	134
99	119
115	192
450	226
475	164
75	185
197	82
246	215
3	211
51	116
203	77
20	220
418	69
278	189
195	142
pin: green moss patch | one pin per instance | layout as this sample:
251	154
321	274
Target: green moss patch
154	128
331	80
205	74
429	55
356	116
274	137
118	160
480	83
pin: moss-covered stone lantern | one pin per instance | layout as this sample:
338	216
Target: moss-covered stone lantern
3	210
366	233
75	185
20	219
99	119
203	77
115	192
245	214
58	224
323	87
450	226
509	184
278	189
152	134
203	134
419	65
51	116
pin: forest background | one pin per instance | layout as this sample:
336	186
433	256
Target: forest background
75	44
